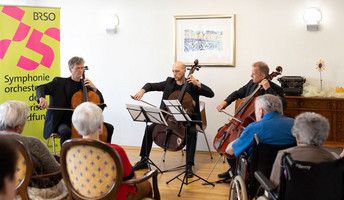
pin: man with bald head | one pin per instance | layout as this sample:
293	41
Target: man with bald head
170	85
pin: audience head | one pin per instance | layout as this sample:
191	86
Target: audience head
267	103
310	129
8	161
13	115
88	119
75	61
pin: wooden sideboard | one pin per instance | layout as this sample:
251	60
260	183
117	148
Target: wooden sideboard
331	108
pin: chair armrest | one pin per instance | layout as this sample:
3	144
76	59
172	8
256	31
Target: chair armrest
141	179
265	182
152	174
47	175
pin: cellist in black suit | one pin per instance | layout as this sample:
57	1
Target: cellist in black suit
259	75
61	91
195	89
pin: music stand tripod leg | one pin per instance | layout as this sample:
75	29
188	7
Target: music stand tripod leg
186	171
146	158
211	171
167	134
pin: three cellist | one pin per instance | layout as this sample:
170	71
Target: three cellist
259	73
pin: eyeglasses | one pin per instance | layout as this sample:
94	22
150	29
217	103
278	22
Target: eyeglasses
78	68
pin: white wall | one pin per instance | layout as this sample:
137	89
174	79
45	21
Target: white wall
142	50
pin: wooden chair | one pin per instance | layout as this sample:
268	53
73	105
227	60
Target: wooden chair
204	125
92	169
24	170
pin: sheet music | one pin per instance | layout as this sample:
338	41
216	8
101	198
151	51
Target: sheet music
153	115
177	110
135	112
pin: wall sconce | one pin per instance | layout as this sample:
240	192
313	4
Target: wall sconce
312	16
112	22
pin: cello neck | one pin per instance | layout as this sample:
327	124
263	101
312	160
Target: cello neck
248	100
278	71
183	90
84	88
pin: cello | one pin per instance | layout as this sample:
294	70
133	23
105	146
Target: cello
172	137
244	115
86	96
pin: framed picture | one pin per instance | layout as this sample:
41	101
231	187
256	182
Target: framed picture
208	38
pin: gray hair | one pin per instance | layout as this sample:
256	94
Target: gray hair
311	128
270	103
87	118
13	114
75	60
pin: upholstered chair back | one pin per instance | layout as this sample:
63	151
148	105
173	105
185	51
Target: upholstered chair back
91	169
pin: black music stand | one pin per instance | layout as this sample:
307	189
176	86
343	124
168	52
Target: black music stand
147	114
179	114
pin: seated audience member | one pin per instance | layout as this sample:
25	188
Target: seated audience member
13	115
8	163
310	130
270	126
87	120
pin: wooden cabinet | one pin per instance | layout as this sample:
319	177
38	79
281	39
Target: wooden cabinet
331	108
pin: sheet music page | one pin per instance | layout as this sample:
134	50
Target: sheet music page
177	110
135	112
155	115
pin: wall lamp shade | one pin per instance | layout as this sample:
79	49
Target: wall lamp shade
312	16
112	22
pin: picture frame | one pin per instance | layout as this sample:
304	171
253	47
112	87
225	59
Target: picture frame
208	38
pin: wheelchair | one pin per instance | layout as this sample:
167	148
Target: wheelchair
244	185
306	181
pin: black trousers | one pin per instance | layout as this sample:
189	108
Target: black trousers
147	143
65	132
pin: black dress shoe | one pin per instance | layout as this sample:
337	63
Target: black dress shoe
190	172
224	175
140	165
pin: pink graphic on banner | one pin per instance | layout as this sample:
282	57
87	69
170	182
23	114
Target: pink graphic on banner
14	12
36	45
21	32
54	33
4	44
27	64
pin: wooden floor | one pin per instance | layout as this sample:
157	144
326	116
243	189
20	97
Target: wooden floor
203	165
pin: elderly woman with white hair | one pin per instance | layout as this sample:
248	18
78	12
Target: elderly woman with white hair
13	117
88	119
310	130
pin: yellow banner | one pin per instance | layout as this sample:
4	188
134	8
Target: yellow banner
29	56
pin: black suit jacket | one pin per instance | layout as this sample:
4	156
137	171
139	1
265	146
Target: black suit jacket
167	87
59	91
247	89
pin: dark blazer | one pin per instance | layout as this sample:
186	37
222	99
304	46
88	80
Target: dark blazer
59	91
167	87
247	89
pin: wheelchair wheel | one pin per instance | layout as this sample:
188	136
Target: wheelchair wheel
237	189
